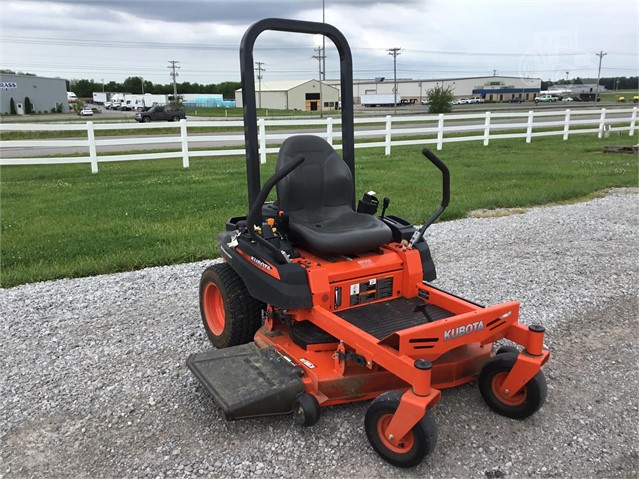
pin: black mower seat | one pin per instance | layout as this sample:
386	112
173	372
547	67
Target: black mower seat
317	197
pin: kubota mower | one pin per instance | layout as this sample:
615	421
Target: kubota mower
318	303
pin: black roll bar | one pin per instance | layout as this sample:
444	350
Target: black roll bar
248	93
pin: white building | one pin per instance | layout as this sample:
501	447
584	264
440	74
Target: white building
490	88
44	94
293	95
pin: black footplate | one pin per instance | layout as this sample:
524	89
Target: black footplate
247	381
381	319
306	333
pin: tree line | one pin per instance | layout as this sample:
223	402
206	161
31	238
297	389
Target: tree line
611	83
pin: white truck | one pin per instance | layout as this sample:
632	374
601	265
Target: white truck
100	97
380	100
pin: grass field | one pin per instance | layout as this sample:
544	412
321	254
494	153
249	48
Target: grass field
62	221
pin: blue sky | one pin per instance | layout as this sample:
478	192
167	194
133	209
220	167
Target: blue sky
114	39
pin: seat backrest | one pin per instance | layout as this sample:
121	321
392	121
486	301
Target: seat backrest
322	185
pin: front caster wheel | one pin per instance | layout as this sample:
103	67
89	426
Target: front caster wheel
413	447
524	403
507	349
306	410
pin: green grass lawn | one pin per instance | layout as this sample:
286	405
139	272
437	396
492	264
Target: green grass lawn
62	221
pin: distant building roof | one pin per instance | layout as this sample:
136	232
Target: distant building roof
283	85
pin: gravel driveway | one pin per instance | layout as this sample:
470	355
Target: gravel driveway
93	379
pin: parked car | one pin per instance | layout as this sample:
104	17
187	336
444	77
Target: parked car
476	100
621	99
545	99
160	113
425	102
95	110
568	98
86	111
516	99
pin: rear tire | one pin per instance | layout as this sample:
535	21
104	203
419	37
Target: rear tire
175	118
231	316
414	446
524	403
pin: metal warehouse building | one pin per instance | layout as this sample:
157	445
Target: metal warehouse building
43	93
293	95
490	88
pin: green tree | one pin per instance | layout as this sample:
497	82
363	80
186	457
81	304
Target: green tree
77	106
440	99
28	107
227	89
133	85
12	107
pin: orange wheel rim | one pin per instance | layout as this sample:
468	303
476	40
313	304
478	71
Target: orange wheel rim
403	446
516	400
214	309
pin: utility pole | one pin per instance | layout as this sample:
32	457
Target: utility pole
320	57
142	80
259	71
323	71
394	52
567	73
601	54
494	73
174	74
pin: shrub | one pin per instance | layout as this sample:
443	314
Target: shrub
12	107
28	107
439	99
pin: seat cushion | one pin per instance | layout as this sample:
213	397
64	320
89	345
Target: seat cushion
345	233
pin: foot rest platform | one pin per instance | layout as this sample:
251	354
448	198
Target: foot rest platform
247	381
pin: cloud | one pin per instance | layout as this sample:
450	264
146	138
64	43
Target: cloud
116	38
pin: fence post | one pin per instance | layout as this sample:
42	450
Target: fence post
388	135
93	154
531	115
262	134
329	130
487	129
633	121
567	124
602	123
185	144
440	132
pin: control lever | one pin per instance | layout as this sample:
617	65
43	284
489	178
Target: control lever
385	203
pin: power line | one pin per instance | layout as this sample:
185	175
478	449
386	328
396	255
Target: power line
233	47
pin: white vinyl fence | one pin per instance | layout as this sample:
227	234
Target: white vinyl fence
369	133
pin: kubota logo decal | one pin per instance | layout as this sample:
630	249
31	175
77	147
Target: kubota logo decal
463	330
261	263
